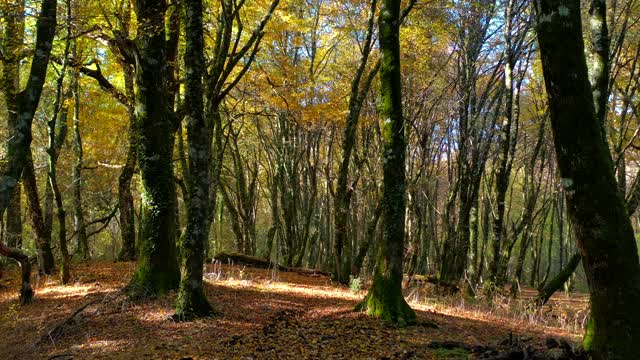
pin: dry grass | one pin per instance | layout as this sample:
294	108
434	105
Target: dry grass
565	315
264	314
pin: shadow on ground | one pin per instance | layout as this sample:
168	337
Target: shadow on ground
294	317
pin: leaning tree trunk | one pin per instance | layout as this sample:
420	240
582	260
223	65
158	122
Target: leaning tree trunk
22	106
192	301
10	86
385	298
545	293
157	269
596	207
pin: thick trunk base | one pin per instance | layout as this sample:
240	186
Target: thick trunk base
192	304
390	306
147	283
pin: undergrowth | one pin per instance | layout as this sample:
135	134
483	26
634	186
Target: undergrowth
565	312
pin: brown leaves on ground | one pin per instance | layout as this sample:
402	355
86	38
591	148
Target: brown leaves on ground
264	315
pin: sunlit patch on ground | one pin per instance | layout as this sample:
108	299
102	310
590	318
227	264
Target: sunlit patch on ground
263	314
106	345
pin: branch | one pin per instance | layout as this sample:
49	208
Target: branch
106	85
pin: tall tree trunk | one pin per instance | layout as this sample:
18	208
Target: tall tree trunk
125	197
343	193
385	298
13	38
46	261
79	226
192	302
57	127
600	64
503	173
596	207
21	108
157	269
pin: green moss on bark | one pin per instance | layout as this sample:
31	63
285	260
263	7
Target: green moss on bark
385	299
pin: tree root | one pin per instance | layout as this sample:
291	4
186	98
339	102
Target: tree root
72	320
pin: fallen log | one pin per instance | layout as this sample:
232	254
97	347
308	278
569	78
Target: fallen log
418	279
256	262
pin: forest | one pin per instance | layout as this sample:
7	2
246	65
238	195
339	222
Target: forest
313	179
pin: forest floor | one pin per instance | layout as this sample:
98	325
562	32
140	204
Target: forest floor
262	314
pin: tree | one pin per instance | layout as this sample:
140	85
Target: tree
385	298
600	221
157	267
57	133
120	35
22	106
478	108
192	302
343	193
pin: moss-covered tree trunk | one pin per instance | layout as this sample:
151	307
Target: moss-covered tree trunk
192	302
125	200
125	197
12	43
79	226
385	298
596	207
14	219
10	86
505	153
21	106
157	268
546	291
600	64
46	261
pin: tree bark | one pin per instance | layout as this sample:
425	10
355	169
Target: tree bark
21	108
157	269
14	219
596	207
125	197
600	64
46	261
57	128
192	301
79	225
26	293
545	293
385	299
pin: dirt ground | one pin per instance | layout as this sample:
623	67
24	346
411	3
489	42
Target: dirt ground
262	315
